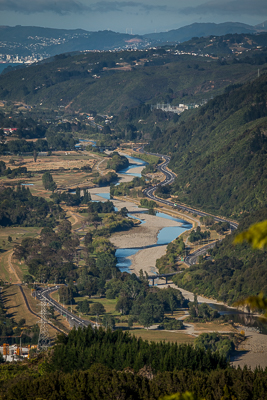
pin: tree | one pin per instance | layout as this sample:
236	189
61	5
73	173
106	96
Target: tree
65	295
108	321
88	238
97	309
145	318
48	182
34	155
171	302
124	212
84	306
124	304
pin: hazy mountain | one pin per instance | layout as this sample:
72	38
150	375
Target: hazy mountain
28	40
25	41
203	29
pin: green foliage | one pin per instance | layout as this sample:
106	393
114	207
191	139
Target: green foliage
65	295
256	235
60	140
171	324
83	306
99	382
67	81
196	235
101	207
180	396
23	146
105	180
50	257
167	263
147	203
202	312
48	182
21	208
125	188
117	162
256	303
145	305
219	157
72	199
228	277
119	350
97	309
215	342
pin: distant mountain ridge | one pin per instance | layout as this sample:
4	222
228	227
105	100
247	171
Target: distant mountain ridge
203	29
26	41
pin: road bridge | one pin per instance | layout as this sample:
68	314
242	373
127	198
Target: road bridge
162	276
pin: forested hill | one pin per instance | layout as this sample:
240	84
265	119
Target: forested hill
109	82
219	152
236	271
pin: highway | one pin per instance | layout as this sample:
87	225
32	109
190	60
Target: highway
169	178
44	294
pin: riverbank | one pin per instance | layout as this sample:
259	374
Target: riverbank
253	350
140	236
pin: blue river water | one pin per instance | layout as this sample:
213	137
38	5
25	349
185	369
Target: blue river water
165	236
135	162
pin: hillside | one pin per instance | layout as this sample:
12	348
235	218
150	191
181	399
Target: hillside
109	82
201	29
46	42
219	152
234	272
39	42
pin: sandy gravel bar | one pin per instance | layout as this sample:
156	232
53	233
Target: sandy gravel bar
253	351
146	260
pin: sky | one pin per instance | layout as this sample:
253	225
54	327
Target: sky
133	16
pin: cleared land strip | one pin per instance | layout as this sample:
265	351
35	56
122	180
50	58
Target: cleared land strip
35	314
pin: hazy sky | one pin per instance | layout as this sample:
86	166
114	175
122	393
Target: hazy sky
140	16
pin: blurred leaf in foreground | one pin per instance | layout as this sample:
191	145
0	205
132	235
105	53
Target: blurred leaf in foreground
256	235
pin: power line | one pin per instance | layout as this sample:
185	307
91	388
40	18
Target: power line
44	340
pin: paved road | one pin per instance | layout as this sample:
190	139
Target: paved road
169	178
32	312
44	294
193	257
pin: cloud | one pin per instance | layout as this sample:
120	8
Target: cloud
36	6
107	6
74	6
236	7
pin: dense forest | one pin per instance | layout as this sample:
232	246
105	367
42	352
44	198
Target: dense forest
20	208
219	152
98	364
236	271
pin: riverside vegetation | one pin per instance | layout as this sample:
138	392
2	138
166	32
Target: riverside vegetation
218	153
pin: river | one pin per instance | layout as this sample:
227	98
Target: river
165	235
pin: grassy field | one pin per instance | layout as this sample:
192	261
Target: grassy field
11	269
64	167
213	327
15	305
158	335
